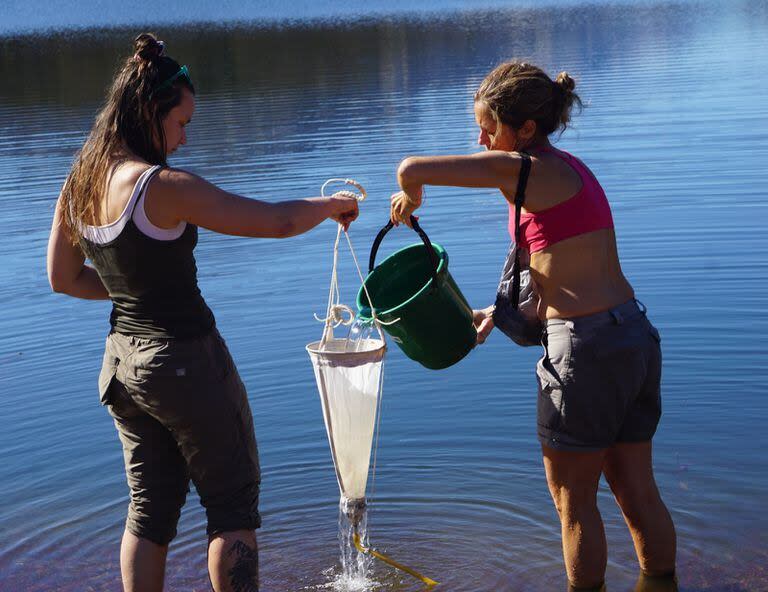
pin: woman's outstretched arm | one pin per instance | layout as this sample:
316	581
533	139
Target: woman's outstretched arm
178	195
493	168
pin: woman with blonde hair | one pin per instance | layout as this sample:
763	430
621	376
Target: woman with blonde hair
598	399
167	379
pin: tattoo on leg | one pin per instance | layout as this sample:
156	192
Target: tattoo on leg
244	574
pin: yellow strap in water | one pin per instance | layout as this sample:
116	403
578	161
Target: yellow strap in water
392	562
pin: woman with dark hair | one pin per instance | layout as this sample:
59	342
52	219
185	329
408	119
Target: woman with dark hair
167	378
599	400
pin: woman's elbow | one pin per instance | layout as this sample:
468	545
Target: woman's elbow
405	170
59	282
57	285
284	229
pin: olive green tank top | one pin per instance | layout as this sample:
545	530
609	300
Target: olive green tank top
149	272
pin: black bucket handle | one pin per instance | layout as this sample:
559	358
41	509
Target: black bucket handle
433	261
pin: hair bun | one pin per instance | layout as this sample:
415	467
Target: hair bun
147	47
565	82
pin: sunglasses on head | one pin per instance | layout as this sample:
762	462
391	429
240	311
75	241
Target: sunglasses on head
183	71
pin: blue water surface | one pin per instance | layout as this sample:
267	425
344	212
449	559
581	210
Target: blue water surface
675	127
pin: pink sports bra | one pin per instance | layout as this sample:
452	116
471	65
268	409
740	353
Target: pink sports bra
586	211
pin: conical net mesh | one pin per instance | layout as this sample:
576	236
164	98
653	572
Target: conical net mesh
348	378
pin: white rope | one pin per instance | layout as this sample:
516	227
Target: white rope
378	431
358	196
376	319
334	314
337	315
335	311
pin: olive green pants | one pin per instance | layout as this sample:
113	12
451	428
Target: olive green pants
182	414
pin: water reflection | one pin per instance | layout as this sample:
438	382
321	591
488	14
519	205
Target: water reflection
390	55
655	584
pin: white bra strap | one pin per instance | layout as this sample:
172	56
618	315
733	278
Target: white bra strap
144	224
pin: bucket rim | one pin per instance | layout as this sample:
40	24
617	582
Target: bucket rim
442	266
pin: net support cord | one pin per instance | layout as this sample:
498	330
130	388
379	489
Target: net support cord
335	310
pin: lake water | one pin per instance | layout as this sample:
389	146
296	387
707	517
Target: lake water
676	129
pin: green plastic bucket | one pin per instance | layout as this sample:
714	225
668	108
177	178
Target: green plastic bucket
412	289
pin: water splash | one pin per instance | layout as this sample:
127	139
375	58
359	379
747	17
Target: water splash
356	567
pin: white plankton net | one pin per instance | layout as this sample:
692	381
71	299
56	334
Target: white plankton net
349	384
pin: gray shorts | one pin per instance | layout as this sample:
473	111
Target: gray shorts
599	380
182	414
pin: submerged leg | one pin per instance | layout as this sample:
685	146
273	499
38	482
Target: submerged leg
142	564
646	583
233	561
629	471
157	476
573	478
600	588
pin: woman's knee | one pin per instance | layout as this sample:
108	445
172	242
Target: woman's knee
573	480
629	473
636	497
573	499
637	503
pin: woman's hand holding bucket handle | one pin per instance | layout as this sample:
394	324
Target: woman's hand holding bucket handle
483	320
409	198
403	204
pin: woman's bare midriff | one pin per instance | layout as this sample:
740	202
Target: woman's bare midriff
580	276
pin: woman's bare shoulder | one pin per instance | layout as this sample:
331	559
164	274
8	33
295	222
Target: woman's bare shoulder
124	173
179	182
122	177
552	181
